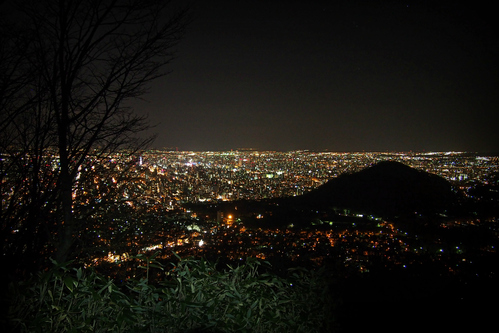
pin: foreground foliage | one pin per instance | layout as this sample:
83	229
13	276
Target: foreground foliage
193	296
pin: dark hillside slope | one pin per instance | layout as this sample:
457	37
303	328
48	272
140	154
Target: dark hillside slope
388	189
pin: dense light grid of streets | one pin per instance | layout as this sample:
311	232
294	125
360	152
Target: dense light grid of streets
210	176
166	180
149	213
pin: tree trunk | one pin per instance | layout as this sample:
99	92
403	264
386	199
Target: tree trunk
66	227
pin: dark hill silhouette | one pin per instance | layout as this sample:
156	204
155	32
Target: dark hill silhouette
387	188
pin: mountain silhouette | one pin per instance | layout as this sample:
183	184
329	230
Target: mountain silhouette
388	189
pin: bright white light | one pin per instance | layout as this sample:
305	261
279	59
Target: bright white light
201	242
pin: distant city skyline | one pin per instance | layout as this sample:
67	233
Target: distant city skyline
346	76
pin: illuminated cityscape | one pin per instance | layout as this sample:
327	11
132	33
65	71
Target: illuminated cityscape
156	213
209	176
152	208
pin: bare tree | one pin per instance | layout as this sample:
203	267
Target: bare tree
64	101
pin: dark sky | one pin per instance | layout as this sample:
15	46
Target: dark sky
344	76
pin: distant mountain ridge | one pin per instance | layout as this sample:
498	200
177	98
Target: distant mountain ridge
388	189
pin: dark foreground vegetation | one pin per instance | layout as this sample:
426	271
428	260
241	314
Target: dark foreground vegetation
189	296
195	295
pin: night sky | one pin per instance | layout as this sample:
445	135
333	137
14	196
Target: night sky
343	76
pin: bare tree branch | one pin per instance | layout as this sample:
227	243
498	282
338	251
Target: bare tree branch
63	95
